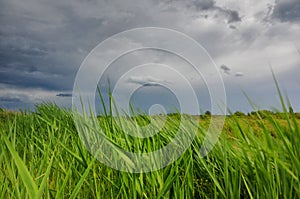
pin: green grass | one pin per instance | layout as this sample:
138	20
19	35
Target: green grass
257	156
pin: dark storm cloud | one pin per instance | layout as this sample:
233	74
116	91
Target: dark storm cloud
205	8
9	99
204	4
23	79
232	15
287	10
42	43
64	95
41	49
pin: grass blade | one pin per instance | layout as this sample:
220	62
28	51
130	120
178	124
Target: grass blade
27	179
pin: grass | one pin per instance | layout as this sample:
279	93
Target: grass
42	156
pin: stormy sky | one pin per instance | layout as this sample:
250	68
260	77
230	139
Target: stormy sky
43	43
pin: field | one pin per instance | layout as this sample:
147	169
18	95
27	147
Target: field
257	156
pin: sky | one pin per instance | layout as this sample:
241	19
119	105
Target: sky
43	44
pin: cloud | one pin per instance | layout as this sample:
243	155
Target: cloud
42	43
9	99
225	69
228	71
26	98
231	15
210	5
239	74
146	80
204	4
64	95
32	57
232	27
298	51
287	10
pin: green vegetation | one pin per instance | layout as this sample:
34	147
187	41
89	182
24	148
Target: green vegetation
257	156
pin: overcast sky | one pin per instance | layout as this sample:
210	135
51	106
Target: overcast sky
43	43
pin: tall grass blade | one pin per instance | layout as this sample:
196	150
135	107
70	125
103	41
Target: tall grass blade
27	179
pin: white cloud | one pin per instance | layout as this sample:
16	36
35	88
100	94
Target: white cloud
13	98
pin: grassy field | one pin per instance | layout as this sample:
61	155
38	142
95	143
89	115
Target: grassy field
257	156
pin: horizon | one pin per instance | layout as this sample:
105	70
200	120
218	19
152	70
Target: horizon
202	112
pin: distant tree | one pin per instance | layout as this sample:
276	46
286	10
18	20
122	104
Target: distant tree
208	113
263	113
239	113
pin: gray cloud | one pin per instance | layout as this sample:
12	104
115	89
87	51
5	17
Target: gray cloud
64	95
9	99
231	15
287	10
146	80
298	51
203	8
225	69
204	4
42	43
232	27
228	71
239	74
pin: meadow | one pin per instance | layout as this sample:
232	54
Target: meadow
257	156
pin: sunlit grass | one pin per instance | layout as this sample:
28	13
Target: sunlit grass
257	156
